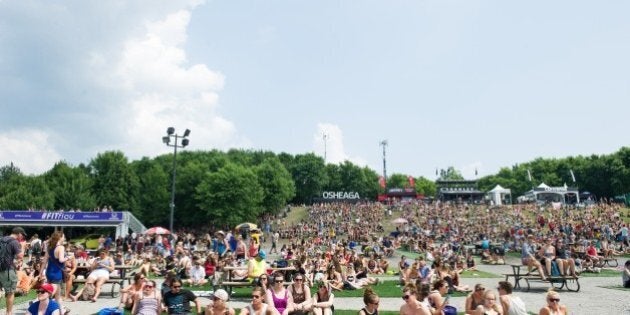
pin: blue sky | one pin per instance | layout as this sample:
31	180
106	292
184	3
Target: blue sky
470	84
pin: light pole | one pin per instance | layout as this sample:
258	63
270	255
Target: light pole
170	133
325	137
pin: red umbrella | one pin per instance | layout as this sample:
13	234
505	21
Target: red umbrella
157	230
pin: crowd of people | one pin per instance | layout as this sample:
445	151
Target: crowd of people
337	247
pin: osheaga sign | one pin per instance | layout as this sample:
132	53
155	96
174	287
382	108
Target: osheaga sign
340	195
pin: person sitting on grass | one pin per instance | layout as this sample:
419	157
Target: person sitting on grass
148	301
25	279
177	300
258	305
196	274
412	305
301	296
44	304
128	293
371	300
323	299
219	305
474	299
490	305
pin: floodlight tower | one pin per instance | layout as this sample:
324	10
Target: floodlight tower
384	145
180	142
325	137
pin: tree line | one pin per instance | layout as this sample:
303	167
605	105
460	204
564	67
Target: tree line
243	185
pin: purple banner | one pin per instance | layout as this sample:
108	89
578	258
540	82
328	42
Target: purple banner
33	216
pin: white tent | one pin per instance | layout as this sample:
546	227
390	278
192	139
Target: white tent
499	195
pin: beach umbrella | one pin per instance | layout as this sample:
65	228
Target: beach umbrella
400	221
157	230
246	225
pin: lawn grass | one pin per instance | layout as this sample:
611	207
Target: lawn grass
386	289
32	295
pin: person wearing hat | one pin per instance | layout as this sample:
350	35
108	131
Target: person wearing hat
8	276
219	306
257	266
474	299
44	304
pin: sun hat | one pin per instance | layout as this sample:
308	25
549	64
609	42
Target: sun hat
221	294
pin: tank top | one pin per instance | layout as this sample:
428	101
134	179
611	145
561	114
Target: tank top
365	311
105	262
474	303
147	305
263	310
298	297
259	268
280	303
54	267
516	306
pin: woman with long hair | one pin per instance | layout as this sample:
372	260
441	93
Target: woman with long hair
301	294
553	306
371	300
257	306
147	301
128	293
323	299
53	264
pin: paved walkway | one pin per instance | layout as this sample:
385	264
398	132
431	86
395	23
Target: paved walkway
592	298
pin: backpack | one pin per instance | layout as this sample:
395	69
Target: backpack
6	254
37	248
88	292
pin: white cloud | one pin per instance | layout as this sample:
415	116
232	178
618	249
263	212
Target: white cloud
113	81
28	150
333	146
468	170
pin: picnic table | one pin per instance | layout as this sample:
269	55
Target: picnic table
571	283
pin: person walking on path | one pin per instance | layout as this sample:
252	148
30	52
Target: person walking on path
10	250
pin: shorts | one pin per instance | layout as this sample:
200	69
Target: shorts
100	273
8	280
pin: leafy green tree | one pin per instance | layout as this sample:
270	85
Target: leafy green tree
425	187
398	180
276	182
153	192
72	187
115	183
450	173
230	196
21	192
309	175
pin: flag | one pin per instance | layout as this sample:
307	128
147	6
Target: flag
572	175
529	175
412	181
381	181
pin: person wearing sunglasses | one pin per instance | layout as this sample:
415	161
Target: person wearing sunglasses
128	292
44	304
257	306
219	305
177	300
553	305
323	299
278	297
475	298
148	301
490	305
412	306
301	294
371	300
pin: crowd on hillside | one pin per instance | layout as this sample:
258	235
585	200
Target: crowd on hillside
338	246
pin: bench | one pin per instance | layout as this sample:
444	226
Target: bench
120	281
571	283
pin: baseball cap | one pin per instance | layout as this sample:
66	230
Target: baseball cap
262	254
18	230
47	287
221	294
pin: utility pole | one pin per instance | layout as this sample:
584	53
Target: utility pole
384	145
325	137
